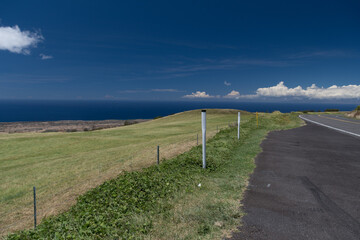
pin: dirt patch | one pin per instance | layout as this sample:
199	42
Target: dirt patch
63	126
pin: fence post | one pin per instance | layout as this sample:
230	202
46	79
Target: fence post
238	125
257	119
158	155
197	139
203	127
34	207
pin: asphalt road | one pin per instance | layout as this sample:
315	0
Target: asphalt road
346	125
306	186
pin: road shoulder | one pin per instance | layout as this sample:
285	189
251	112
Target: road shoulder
305	186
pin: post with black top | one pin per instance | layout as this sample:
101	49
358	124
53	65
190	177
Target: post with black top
203	127
158	155
34	207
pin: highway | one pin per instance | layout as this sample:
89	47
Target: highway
335	122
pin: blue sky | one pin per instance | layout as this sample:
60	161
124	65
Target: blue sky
177	50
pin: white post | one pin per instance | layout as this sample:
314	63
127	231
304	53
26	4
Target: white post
238	125
203	126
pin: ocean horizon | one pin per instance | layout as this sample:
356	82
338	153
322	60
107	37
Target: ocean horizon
54	110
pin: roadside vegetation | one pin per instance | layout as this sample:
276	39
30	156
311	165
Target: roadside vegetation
328	110
331	110
354	114
175	200
63	166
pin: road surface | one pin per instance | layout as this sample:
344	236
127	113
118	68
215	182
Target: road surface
306	185
335	122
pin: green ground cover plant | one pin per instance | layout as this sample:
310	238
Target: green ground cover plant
63	166
175	200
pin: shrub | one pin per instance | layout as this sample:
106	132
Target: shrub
358	108
70	130
306	111
331	110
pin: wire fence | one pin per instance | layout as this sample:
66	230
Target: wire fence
194	141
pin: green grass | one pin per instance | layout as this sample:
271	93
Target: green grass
165	202
212	211
65	165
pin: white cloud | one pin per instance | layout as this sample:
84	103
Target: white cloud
233	94
227	83
45	57
17	41
280	90
198	94
312	92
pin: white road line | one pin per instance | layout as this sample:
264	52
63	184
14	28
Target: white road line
337	129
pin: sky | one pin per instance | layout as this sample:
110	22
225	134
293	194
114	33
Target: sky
180	50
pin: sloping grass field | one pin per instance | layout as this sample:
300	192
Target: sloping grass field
64	166
176	200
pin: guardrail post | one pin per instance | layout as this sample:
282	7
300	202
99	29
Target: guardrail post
203	127
34	207
238	133
158	155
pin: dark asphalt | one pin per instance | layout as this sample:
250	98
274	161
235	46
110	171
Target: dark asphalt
306	186
335	121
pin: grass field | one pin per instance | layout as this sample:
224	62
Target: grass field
167	202
65	165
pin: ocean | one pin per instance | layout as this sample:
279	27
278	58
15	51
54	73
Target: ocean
42	110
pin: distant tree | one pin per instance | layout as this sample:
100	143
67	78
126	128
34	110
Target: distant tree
306	111
331	110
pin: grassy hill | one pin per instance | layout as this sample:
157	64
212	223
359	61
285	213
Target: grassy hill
65	165
175	200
